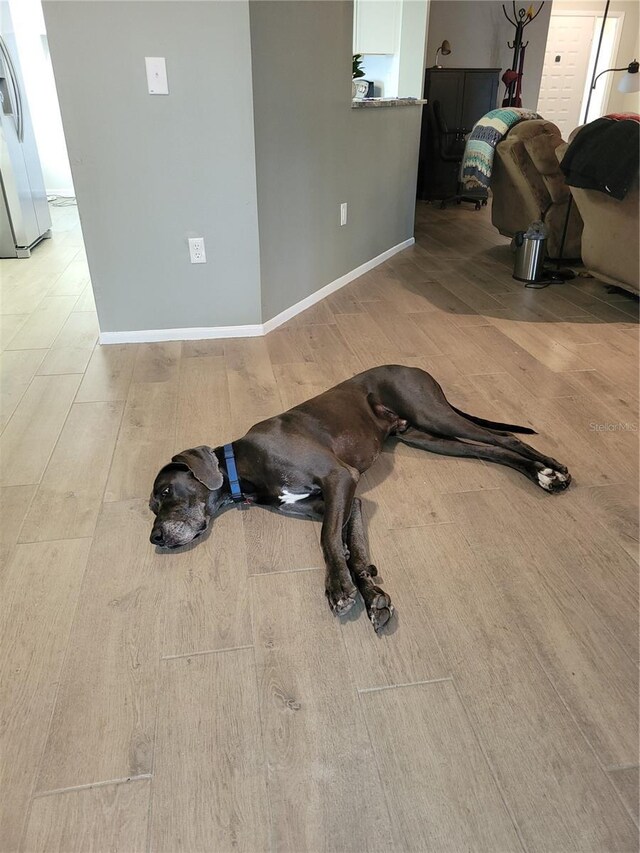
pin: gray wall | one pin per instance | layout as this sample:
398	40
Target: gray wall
314	152
478	32
150	171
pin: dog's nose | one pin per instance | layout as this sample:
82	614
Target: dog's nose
156	536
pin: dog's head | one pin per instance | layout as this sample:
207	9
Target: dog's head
184	497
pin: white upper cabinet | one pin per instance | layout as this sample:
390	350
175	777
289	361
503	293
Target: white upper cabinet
376	26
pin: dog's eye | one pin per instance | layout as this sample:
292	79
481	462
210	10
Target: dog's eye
165	492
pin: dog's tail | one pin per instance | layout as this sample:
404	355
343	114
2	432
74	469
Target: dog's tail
495	424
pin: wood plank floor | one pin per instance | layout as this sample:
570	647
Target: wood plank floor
208	700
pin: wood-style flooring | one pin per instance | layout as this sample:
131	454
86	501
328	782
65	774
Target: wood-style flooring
208	700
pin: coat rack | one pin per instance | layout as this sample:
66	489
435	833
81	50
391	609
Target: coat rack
512	78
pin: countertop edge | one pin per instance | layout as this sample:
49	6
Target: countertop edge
368	103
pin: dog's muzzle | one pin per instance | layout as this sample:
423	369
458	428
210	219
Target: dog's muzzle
174	534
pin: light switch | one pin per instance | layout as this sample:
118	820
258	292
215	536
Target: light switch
156	75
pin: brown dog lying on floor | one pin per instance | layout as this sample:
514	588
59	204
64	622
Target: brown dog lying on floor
307	462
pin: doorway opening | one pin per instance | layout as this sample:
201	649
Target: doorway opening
569	61
34	166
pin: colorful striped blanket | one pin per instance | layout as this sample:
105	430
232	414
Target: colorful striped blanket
477	163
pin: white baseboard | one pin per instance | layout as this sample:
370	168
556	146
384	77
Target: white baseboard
308	301
252	330
191	333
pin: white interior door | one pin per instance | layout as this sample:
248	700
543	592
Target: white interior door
564	74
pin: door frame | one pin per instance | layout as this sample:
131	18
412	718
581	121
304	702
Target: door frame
585	13
619	16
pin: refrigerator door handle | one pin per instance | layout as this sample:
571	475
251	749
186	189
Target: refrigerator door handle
17	99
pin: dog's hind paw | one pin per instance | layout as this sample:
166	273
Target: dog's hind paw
341	601
552	480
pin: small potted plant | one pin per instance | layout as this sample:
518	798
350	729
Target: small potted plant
358	89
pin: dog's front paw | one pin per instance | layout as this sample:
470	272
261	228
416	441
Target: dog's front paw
341	598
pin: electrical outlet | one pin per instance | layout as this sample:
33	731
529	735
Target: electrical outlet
343	213
196	250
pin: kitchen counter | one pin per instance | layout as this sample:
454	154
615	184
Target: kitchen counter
359	103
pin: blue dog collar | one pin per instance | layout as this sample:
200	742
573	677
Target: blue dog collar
232	471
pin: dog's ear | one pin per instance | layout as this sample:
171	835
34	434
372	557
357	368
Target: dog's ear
203	464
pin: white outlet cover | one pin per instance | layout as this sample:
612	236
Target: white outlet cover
197	252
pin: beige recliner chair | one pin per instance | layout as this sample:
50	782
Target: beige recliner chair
527	184
610	239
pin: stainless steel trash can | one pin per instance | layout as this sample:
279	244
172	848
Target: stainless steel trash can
531	249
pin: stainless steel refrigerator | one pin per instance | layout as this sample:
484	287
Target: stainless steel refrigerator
24	211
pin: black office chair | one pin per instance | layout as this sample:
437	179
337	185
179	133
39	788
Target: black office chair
446	150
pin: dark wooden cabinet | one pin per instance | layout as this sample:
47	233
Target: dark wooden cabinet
457	98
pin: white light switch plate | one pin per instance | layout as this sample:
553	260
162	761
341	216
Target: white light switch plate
156	75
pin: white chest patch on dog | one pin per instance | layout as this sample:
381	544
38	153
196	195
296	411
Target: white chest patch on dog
287	497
